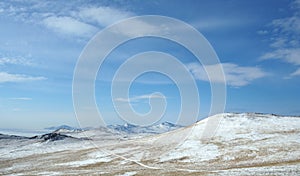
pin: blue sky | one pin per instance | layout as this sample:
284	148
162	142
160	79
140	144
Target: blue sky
257	43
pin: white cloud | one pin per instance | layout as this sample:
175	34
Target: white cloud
81	21
7	77
103	16
69	26
138	98
15	61
77	22
235	75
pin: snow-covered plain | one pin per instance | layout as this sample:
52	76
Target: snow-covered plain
243	144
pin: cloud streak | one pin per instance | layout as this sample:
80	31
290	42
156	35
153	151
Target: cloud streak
17	78
216	23
21	98
235	75
137	99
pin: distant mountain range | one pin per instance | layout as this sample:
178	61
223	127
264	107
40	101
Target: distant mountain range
155	129
65	127
67	132
126	128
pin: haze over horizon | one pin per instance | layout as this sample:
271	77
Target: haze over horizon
257	43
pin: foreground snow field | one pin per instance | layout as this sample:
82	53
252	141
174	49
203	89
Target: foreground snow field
244	144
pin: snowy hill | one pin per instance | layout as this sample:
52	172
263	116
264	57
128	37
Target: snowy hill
241	138
54	137
243	144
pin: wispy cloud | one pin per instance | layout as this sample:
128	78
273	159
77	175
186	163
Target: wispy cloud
216	23
102	15
137	27
290	55
83	21
289	24
296	73
235	75
137	99
285	38
262	32
7	77
86	21
69	26
16	61
16	109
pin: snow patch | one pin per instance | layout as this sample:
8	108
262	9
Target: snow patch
129	173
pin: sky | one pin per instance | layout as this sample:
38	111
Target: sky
257	43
